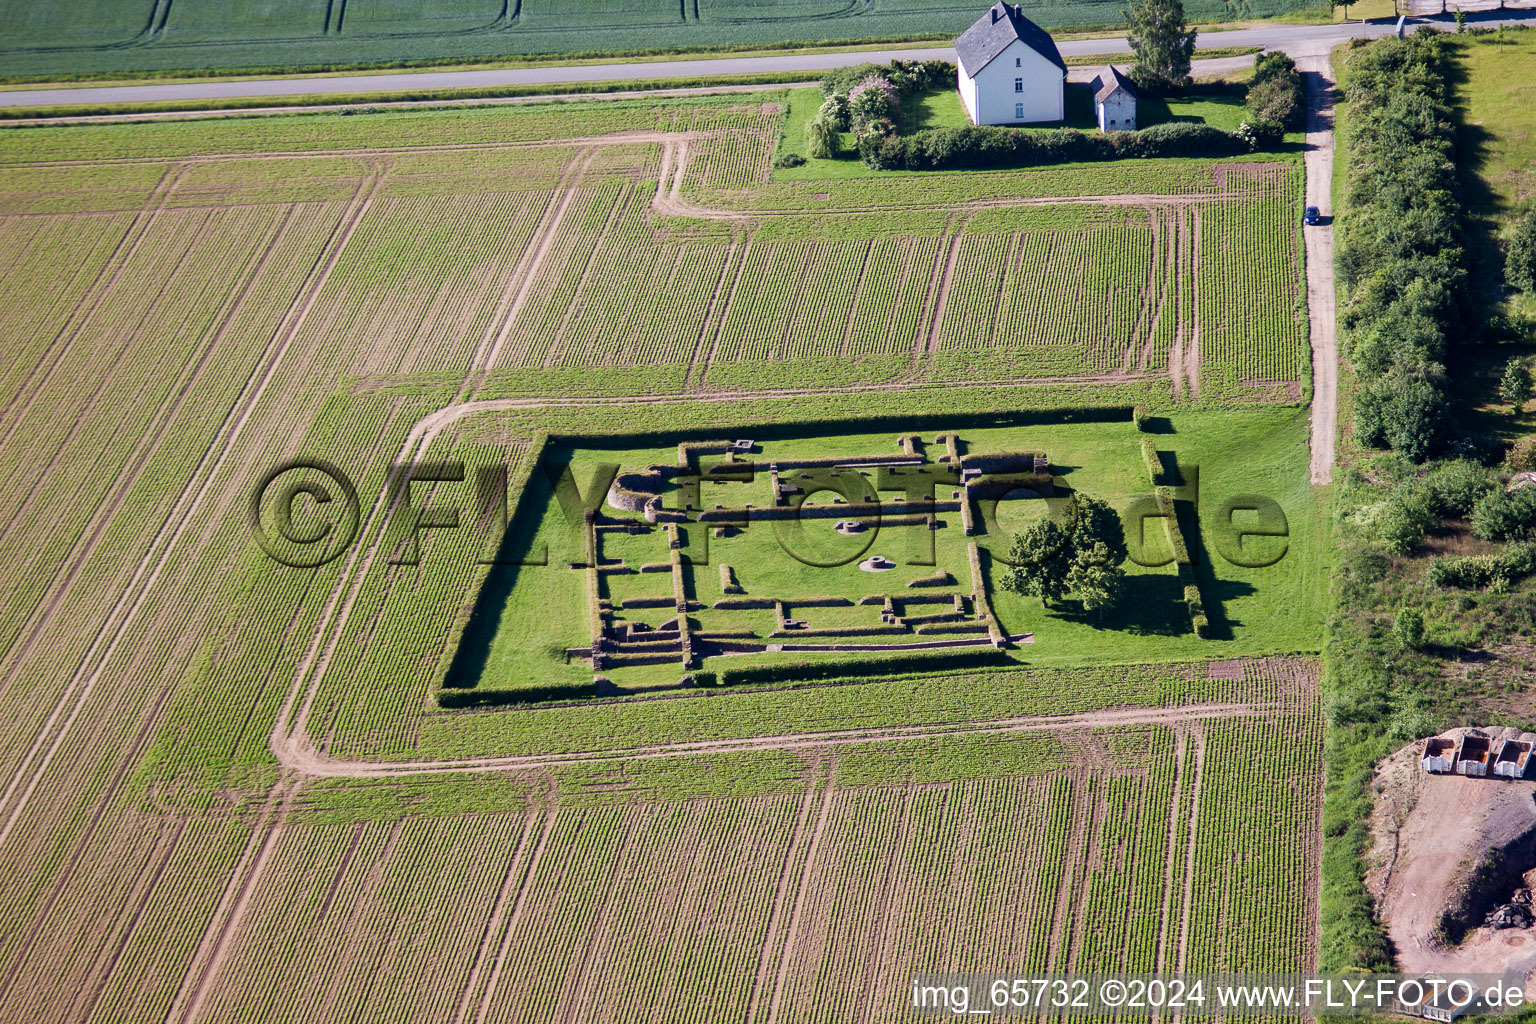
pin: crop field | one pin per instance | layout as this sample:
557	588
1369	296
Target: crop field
228	790
116	35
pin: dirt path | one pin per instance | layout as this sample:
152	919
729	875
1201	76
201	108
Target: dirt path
300	755
288	739
1320	285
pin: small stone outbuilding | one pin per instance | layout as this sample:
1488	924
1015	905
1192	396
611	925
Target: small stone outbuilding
1114	101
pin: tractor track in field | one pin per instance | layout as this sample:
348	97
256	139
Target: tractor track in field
807	868
85	307
298	755
512	880
1198	773
227	917
86	544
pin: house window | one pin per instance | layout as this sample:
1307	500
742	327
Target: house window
1018	111
1018	85
1018	62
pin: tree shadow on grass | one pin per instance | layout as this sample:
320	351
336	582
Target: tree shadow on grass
1148	606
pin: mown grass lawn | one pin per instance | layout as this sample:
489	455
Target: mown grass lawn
1274	609
1220	105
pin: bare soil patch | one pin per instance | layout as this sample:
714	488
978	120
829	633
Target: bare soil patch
1431	833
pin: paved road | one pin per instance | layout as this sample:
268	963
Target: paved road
1297	40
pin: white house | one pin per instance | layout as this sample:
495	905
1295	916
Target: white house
1114	99
1010	70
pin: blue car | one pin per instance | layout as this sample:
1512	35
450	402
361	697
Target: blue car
1312	216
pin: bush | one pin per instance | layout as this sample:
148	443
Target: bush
790	160
1139	417
1520	263
990	146
1277	93
1459	485
906	76
835	112
1259	135
1408	629
1505	515
874	99
1407	516
1522	456
1515	385
1495	572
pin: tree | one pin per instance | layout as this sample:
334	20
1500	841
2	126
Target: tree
822	140
1090	521
1163	44
1081	553
1408	629
1520	265
1277	94
1042	557
1515	387
1096	578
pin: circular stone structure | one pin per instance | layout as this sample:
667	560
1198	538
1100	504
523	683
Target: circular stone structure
877	563
848	527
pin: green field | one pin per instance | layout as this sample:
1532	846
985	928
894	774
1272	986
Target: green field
113	35
228	790
1501	137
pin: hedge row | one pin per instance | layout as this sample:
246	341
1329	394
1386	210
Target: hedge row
991	146
1400	255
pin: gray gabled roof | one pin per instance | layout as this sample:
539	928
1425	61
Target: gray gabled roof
1106	82
994	31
